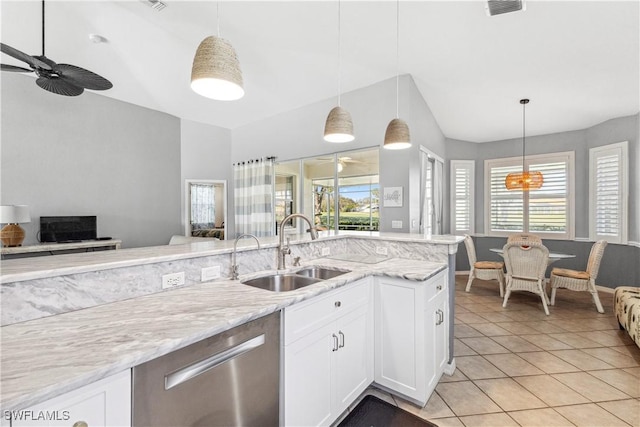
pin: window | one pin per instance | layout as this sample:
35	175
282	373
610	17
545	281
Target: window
548	211
608	192
462	196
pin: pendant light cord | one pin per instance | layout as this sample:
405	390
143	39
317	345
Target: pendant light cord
524	106
339	58
218	17
43	28
397	59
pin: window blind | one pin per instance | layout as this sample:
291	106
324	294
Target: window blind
545	211
607	198
462	196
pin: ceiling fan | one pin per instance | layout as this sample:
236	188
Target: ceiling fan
62	79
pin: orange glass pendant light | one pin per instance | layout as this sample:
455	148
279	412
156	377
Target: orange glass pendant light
525	180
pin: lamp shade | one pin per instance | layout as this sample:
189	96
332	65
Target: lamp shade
216	70
339	126
397	136
14	214
524	181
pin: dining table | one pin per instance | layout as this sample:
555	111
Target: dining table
553	256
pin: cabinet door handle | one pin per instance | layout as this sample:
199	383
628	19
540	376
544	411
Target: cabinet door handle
341	339
440	314
335	342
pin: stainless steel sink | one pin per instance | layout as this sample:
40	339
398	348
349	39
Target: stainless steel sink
281	282
321	272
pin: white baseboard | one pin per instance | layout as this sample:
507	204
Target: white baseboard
450	368
462	273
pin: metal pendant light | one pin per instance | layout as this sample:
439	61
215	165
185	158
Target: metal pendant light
525	180
339	126
216	70
397	136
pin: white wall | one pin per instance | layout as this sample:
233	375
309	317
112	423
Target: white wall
90	155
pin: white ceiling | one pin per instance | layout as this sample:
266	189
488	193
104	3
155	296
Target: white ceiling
578	61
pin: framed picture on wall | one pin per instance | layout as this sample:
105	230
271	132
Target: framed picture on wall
392	197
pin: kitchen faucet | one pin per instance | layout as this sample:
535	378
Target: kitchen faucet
234	266
284	250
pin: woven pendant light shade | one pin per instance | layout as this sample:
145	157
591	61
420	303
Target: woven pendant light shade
339	126
524	181
397	136
216	70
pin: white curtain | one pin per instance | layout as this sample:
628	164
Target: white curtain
203	213
253	197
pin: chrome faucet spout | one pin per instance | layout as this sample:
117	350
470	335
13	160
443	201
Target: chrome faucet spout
284	250
234	266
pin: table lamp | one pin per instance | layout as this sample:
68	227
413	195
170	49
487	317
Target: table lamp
12	234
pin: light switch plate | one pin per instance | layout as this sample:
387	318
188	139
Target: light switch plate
210	273
396	224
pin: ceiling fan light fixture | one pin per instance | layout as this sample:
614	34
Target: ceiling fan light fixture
397	136
216	72
339	127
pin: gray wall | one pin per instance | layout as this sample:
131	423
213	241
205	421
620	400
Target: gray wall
205	154
90	155
580	141
620	264
298	134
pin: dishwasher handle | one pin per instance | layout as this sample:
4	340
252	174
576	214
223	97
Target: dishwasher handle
185	374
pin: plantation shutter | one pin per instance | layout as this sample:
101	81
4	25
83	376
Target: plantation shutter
462	196
547	211
608	180
506	207
548	206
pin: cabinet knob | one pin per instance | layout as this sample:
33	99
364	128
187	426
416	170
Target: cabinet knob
80	424
338	303
439	287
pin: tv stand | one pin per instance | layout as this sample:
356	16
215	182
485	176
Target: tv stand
59	248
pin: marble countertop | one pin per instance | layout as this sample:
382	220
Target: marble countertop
14	270
46	357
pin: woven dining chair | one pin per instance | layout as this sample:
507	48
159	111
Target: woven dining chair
483	270
580	280
526	263
523	236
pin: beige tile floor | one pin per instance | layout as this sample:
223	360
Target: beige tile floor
518	367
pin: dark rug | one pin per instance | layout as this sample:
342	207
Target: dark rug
374	412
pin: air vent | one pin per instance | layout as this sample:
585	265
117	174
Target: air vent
498	7
156	5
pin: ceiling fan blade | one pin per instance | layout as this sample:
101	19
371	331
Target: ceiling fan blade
15	53
5	67
81	77
59	86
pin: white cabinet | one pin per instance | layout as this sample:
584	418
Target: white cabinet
411	334
106	402
328	354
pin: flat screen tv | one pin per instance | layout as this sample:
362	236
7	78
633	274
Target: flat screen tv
67	228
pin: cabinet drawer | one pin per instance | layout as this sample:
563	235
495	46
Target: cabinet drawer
303	318
435	285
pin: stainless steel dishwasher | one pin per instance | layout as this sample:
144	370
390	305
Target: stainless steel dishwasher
231	379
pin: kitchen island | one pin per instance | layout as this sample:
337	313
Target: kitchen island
47	356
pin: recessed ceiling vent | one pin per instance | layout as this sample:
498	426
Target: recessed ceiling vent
498	7
156	5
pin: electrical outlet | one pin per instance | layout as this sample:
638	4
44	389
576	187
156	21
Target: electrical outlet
381	250
173	279
210	273
396	224
326	251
